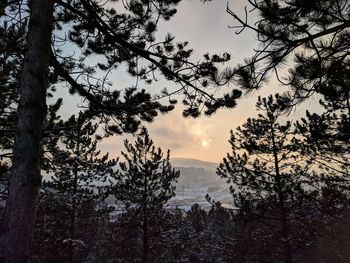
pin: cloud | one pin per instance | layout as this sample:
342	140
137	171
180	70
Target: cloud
179	139
205	26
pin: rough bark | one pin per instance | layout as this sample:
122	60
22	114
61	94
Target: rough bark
26	179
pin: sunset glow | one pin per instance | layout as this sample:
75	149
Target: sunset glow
204	143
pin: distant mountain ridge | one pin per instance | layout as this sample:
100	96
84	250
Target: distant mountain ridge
191	162
197	179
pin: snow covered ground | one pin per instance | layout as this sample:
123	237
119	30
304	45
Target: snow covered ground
197	179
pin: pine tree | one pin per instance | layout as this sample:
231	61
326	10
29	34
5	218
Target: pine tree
221	228
4	174
71	201
270	180
145	183
326	143
210	232
309	39
312	35
120	34
327	134
25	179
11	45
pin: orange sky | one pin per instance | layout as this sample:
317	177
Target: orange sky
206	27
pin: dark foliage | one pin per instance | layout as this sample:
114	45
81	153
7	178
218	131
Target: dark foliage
308	37
145	182
72	198
277	189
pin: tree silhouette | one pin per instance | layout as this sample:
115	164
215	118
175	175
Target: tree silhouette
25	180
120	34
310	39
72	199
145	182
271	181
312	36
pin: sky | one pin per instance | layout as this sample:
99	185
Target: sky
207	29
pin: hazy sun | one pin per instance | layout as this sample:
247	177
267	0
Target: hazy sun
204	143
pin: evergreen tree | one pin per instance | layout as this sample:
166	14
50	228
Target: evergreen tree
52	132
327	134
312	35
198	220
71	201
326	144
221	230
210	233
11	44
117	34
177	238
310	39
25	180
4	174
145	183
271	181
332	246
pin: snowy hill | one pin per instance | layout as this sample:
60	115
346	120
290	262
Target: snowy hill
197	179
189	162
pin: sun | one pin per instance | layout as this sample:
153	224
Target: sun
204	143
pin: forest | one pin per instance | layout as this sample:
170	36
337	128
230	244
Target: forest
288	178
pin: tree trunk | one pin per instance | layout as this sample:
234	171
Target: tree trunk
26	179
145	237
74	201
281	200
145	220
72	218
